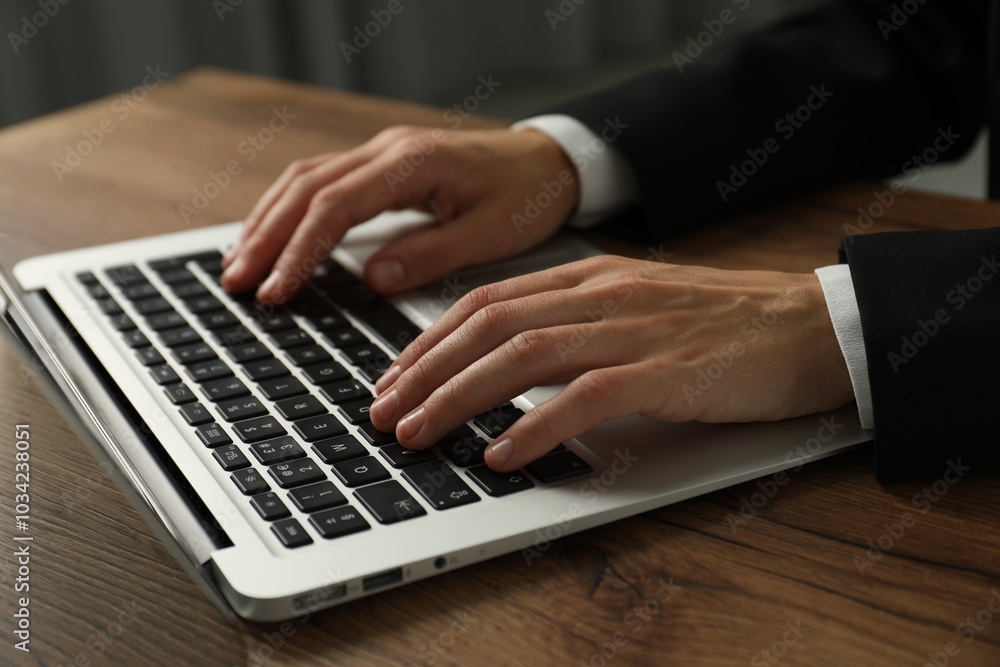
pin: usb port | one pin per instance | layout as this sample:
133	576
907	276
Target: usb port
383	579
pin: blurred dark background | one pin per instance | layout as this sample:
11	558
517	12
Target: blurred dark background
58	53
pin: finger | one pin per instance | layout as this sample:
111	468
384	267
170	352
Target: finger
259	250
591	399
268	199
529	359
556	278
521	322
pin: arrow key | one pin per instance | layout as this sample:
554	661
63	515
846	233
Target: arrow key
440	485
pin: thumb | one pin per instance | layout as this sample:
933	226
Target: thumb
432	253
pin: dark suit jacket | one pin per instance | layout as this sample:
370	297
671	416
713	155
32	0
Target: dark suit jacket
847	89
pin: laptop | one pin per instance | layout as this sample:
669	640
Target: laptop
240	430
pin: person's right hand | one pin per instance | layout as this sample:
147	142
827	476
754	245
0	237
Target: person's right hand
474	181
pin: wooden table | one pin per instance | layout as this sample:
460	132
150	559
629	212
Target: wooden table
785	582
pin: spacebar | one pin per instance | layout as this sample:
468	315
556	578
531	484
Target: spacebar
391	325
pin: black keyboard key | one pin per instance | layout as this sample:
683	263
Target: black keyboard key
338	522
440	485
291	338
125	275
291	533
273	322
375	436
296	473
218	319
259	428
87	278
189	290
308	302
465	452
391	325
97	291
341	448
345	337
264	369
233	336
269	506
177	276
156	304
135	338
210	264
326	371
317	497
141	290
223	388
356	412
344	390
278	388
179	336
277	450
122	322
307	354
230	457
179	393
299	407
164	374
249	481
352	295
359	472
499	484
149	356
203	304
248	352
196	414
319	428
167	320
328	321
389	502
245	407
109	306
213	369
401	457
193	353
363	354
213	435
558	466
497	420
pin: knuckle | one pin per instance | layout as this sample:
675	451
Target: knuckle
477	299
595	388
396	132
490	318
326	196
298	167
527	348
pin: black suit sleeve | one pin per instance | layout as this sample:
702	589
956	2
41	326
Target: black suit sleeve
838	91
847	89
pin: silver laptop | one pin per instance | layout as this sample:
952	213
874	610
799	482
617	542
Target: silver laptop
241	430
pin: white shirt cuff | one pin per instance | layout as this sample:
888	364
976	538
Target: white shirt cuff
607	182
842	302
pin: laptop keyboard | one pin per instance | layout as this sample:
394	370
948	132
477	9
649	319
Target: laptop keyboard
280	395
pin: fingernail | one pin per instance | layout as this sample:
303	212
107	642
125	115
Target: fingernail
386	274
384	408
410	425
267	289
500	452
388	378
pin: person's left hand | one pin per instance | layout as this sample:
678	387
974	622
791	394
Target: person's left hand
672	342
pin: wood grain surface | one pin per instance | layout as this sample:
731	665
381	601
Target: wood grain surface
792	583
